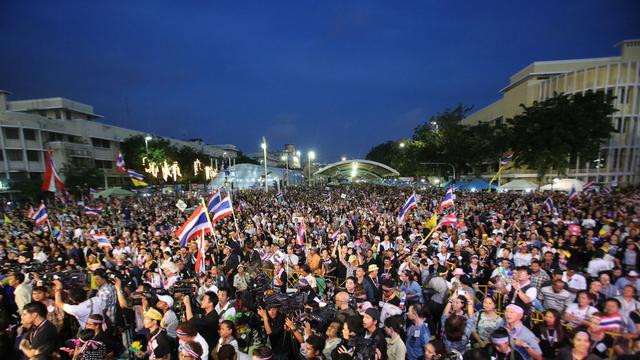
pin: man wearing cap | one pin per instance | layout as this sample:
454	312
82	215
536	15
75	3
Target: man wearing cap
373	331
371	284
169	320
631	279
523	340
158	343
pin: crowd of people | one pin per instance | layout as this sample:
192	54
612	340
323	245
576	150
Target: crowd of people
325	273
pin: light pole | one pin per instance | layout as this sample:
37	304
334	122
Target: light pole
264	151
311	155
146	142
285	158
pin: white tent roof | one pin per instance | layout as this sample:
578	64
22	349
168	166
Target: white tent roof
563	185
518	185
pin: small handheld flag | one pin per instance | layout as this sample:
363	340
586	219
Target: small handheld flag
93	211
102	240
573	195
120	162
447	201
301	234
449	220
41	215
548	204
408	206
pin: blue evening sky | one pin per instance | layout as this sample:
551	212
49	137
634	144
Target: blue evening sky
334	76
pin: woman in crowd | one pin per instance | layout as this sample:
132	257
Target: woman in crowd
580	347
486	322
550	334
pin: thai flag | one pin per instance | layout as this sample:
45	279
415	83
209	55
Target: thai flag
279	196
408	206
334	234
51	178
120	162
41	215
89	211
447	200
213	201
200	264
606	190
197	222
548	204
301	235
506	159
135	175
573	195
92	191
102	240
222	210
449	220
588	186
31	213
327	197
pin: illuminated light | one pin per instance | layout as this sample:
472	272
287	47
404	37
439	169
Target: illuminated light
210	172
197	166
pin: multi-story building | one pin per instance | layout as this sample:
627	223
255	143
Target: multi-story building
619	159
288	157
73	132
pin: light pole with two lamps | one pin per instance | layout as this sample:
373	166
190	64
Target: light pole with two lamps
264	151
311	155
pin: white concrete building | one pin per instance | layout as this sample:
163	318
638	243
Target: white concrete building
72	130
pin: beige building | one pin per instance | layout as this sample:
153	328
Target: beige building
620	75
73	131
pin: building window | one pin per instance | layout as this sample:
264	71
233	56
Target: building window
617	125
1	156
101	143
104	164
14	155
68	114
52	136
11	133
33	155
29	134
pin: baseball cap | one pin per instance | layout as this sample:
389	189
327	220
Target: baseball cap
166	298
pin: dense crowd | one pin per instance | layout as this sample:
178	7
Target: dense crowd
511	279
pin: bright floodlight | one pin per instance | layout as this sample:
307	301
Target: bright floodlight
344	158
402	144
148	138
312	155
263	146
284	157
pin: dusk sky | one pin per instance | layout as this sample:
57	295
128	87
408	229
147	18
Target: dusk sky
334	76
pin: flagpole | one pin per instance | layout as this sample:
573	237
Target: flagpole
50	229
235	222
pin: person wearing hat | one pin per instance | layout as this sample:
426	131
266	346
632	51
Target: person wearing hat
522	339
631	279
370	321
169	320
371	284
158	342
171	272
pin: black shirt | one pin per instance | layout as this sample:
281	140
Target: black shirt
159	343
43	338
208	327
601	348
278	337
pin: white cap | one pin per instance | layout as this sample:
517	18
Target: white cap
166	298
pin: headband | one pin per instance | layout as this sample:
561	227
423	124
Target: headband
153	314
582	332
95	321
181	333
189	351
515	308
499	340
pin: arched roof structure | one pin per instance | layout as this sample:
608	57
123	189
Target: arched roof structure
358	168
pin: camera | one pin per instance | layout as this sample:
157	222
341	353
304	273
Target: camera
186	287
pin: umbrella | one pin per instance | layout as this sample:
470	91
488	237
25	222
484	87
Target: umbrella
114	191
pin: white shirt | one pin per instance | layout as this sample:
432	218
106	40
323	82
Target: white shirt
205	347
577	281
521	259
596	265
40	257
82	311
581	314
229	314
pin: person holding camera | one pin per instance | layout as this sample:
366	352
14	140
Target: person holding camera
274	325
82	308
208	322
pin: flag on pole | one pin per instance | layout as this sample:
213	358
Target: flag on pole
41	215
120	162
506	159
505	162
92	191
222	210
197	222
213	201
200	265
408	206
548	204
587	187
279	196
102	240
432	223
301	234
333	235
31	214
447	200
51	179
449	220
573	195
93	211
136	178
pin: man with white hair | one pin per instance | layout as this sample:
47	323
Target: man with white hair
171	271
522	339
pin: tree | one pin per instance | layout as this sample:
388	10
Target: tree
549	133
80	176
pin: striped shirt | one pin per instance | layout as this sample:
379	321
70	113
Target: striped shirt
613	323
553	300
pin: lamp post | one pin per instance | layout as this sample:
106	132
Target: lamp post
264	152
311	155
146	142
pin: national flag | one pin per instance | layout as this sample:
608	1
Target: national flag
197	222
7	220
102	240
41	215
120	162
301	234
51	178
327	197
606	190
506	159
432	223
93	211
588	186
573	195
222	210
447	200
333	235
213	201
408	206
548	204
449	220
92	191
279	196
31	214
136	178
56	231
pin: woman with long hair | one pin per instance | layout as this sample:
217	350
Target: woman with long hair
580	347
551	334
486	321
227	331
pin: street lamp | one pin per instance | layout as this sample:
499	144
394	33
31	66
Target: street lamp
264	151
146	142
285	158
402	144
311	155
344	158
